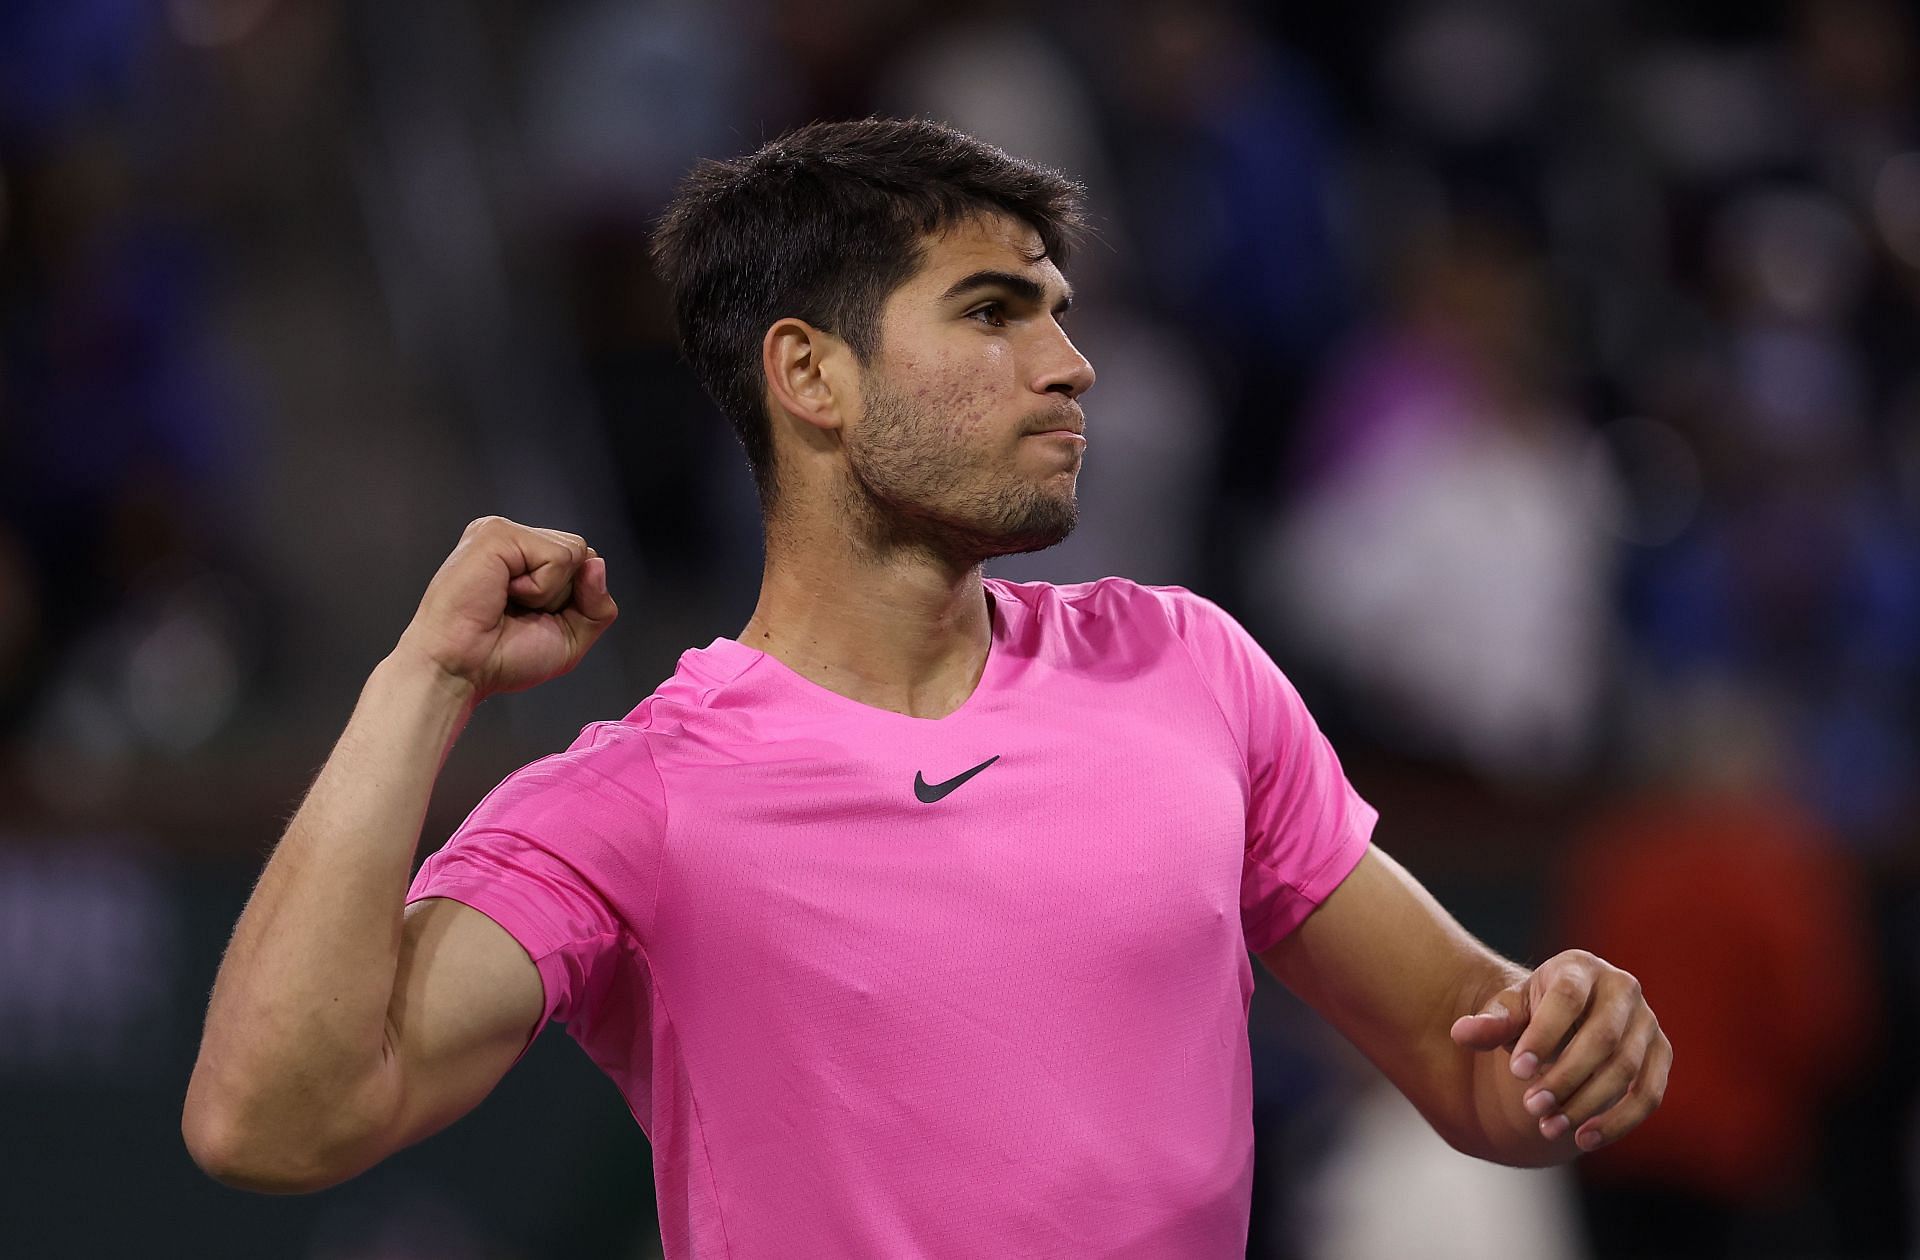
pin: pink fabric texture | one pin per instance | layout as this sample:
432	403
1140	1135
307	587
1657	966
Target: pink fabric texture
1010	1021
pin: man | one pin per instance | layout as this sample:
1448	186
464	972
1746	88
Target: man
914	921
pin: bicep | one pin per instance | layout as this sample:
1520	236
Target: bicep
1383	962
466	1001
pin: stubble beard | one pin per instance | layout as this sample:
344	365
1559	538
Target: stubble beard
905	491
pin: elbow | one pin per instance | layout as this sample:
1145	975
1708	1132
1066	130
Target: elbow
253	1157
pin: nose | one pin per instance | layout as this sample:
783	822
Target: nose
1064	369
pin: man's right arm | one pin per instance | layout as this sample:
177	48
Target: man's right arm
343	1025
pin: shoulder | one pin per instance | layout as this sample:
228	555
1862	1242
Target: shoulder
1115	599
1117	617
608	770
594	813
1226	656
1119	608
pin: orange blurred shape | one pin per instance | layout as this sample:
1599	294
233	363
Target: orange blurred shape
1744	920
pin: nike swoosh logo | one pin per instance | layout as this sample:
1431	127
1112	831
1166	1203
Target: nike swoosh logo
928	793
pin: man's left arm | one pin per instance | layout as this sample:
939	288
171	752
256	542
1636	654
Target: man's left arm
1521	1068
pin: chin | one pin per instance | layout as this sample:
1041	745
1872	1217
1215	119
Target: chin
1040	526
979	526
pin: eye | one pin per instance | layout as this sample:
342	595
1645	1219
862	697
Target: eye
992	314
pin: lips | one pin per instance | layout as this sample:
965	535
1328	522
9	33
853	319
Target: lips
1074	424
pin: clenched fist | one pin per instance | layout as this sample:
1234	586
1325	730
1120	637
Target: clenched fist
512	607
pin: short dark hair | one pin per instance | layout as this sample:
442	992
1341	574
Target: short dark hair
822	225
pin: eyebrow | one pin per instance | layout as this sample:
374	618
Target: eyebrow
1023	287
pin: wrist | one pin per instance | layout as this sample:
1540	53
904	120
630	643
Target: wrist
1498	977
418	672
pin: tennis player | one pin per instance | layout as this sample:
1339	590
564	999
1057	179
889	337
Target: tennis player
915	920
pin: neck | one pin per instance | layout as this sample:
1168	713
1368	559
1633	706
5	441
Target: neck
903	627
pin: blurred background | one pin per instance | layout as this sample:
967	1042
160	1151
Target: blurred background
1537	378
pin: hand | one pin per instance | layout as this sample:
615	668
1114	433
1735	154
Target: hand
1586	1023
512	607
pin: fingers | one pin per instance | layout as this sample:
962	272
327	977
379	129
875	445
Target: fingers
1595	1071
1569	986
543	565
552	571
1648	1088
1582	1033
511	607
1598	1038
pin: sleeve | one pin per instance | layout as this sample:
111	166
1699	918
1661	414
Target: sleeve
1306	826
565	856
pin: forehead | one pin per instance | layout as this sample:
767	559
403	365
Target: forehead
993	242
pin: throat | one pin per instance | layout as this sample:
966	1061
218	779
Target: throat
883	666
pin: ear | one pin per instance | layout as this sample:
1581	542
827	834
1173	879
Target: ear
803	366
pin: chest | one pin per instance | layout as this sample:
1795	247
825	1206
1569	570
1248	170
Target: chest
1035	831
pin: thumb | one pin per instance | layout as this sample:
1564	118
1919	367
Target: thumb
1499	1022
592	608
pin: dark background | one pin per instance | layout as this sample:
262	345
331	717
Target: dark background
1537	379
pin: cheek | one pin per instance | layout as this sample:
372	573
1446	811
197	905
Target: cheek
957	393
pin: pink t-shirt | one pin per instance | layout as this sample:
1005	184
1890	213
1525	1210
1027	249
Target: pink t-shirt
884	986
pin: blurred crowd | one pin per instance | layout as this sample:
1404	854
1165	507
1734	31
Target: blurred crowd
1536	378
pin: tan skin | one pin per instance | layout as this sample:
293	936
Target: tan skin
343	1027
894	616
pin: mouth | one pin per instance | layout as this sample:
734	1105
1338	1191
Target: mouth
1074	426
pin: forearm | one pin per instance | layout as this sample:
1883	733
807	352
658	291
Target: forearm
1443	1017
295	1035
